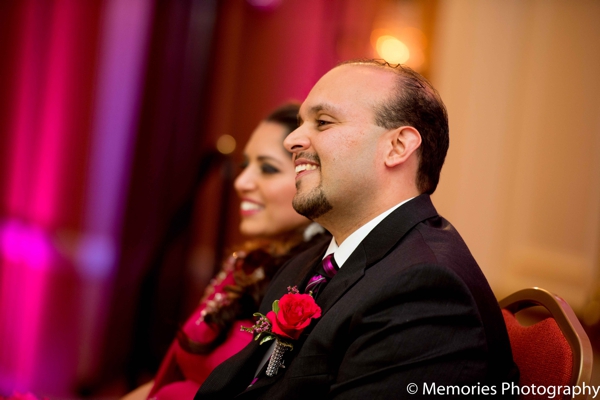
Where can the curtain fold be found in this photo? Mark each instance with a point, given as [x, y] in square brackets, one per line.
[67, 129]
[109, 111]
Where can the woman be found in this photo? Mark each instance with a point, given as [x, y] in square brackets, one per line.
[212, 334]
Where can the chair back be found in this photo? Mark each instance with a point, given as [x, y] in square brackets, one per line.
[555, 351]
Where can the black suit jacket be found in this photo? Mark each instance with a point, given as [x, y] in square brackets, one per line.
[410, 306]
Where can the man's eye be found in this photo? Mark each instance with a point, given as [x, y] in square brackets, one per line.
[268, 169]
[321, 122]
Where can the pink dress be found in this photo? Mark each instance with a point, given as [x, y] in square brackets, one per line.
[181, 373]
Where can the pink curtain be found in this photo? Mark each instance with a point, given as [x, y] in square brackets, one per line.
[106, 107]
[71, 83]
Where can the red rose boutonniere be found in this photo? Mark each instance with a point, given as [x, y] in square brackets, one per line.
[289, 317]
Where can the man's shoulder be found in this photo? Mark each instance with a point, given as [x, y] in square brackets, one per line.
[435, 241]
[433, 249]
[443, 242]
[420, 235]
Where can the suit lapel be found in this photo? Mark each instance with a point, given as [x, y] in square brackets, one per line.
[372, 249]
[295, 273]
[232, 377]
[378, 243]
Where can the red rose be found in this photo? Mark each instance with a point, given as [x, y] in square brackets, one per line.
[295, 313]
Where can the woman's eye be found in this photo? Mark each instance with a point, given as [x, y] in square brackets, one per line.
[244, 164]
[268, 169]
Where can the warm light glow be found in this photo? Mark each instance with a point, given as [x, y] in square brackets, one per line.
[377, 33]
[417, 59]
[226, 144]
[413, 37]
[392, 50]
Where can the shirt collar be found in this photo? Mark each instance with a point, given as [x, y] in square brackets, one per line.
[342, 252]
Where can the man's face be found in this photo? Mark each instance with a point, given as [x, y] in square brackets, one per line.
[336, 147]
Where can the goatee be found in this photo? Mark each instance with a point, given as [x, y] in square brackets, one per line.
[313, 204]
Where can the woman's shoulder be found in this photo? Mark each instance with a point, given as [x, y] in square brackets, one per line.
[224, 277]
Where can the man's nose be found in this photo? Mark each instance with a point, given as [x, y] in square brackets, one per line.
[297, 140]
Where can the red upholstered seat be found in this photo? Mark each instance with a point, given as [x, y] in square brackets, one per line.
[542, 353]
[554, 351]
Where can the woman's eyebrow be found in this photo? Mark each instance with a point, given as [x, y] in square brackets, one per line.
[268, 158]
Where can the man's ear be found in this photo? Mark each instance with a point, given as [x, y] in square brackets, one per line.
[404, 142]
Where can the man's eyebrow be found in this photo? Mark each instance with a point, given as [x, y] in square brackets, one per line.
[317, 109]
[322, 107]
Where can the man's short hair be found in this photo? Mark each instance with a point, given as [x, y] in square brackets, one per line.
[416, 103]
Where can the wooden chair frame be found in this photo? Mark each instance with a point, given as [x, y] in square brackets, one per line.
[568, 323]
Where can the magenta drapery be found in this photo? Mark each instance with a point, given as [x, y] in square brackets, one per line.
[73, 78]
[85, 84]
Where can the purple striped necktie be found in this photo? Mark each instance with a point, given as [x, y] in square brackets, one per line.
[324, 274]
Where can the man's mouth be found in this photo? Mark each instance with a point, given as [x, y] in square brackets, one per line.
[306, 162]
[305, 167]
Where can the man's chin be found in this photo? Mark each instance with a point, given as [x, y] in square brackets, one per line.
[312, 205]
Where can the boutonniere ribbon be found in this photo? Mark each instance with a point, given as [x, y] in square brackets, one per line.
[289, 317]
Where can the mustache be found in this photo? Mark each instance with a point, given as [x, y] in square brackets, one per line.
[314, 157]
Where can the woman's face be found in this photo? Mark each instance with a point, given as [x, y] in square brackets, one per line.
[266, 186]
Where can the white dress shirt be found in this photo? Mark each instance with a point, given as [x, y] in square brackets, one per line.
[343, 251]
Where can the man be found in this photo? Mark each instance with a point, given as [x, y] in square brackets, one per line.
[409, 314]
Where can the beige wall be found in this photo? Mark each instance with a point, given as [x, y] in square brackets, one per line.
[521, 80]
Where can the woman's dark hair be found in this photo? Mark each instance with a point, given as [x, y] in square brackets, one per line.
[286, 115]
[252, 272]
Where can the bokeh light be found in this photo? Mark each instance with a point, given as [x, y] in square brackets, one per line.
[392, 50]
[226, 144]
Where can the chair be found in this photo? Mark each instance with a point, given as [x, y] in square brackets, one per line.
[552, 352]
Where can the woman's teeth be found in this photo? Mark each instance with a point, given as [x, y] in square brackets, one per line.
[249, 206]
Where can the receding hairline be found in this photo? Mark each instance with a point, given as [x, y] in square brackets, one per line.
[403, 72]
[374, 106]
[391, 91]
[366, 63]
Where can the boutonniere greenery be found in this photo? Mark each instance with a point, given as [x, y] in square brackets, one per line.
[289, 317]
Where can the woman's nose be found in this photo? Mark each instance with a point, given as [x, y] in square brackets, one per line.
[245, 180]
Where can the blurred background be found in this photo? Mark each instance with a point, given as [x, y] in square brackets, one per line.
[122, 123]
